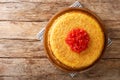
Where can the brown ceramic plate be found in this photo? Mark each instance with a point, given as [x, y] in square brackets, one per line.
[48, 50]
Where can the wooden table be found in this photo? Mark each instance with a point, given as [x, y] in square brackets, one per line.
[22, 56]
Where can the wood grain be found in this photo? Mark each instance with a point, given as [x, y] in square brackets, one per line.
[29, 11]
[71, 1]
[21, 48]
[37, 11]
[20, 30]
[43, 69]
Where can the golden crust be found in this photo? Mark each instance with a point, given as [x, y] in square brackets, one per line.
[55, 58]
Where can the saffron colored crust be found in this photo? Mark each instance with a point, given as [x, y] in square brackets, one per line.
[57, 30]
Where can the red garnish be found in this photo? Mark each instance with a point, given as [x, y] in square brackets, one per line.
[78, 40]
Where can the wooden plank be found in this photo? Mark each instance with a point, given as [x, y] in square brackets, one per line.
[21, 30]
[22, 67]
[113, 28]
[38, 0]
[92, 1]
[28, 30]
[29, 11]
[34, 69]
[21, 48]
[42, 11]
[35, 49]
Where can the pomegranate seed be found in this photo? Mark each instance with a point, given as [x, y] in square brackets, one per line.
[78, 40]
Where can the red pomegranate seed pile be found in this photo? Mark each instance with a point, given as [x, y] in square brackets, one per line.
[78, 40]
